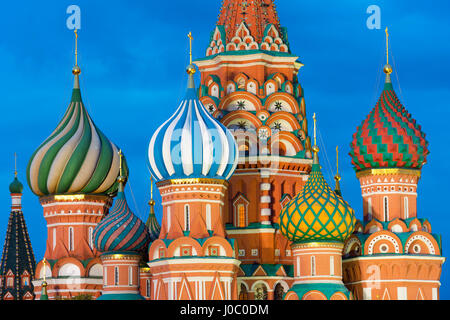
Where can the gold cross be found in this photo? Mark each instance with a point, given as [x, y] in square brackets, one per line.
[76, 47]
[190, 46]
[387, 45]
[15, 164]
[337, 160]
[315, 130]
[120, 161]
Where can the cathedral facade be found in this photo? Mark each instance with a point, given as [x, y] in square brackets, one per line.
[247, 213]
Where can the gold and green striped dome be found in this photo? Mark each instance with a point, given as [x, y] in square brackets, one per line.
[317, 213]
[77, 158]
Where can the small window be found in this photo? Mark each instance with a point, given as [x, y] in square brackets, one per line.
[168, 219]
[70, 239]
[116, 276]
[187, 219]
[214, 251]
[241, 216]
[147, 288]
[130, 276]
[186, 251]
[208, 217]
[369, 208]
[386, 209]
[406, 207]
[162, 253]
[25, 281]
[313, 266]
[331, 266]
[90, 237]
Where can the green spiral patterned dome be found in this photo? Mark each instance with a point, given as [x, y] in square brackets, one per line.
[77, 158]
[317, 213]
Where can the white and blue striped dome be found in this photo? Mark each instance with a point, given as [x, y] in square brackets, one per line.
[192, 144]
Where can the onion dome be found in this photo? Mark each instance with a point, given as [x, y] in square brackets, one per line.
[77, 158]
[317, 213]
[389, 137]
[192, 144]
[16, 186]
[121, 230]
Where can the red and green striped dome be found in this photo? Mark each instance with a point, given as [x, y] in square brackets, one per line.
[389, 137]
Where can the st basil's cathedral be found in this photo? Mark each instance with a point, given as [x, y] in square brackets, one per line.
[247, 213]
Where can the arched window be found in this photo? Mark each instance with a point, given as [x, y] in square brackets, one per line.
[313, 266]
[187, 219]
[261, 292]
[243, 295]
[386, 208]
[70, 239]
[208, 217]
[406, 207]
[278, 292]
[116, 276]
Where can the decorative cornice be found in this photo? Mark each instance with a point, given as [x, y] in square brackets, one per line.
[192, 182]
[388, 171]
[317, 245]
[75, 198]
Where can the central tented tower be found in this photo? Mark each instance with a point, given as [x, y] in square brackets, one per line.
[249, 81]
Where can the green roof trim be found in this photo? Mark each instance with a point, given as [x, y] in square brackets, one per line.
[328, 289]
[248, 52]
[120, 297]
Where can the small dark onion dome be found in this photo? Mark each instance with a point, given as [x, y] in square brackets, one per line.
[152, 224]
[389, 137]
[121, 230]
[16, 186]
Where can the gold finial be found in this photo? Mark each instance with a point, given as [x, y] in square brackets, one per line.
[76, 69]
[387, 67]
[338, 177]
[315, 147]
[191, 67]
[15, 164]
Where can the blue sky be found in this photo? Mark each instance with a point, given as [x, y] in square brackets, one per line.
[133, 56]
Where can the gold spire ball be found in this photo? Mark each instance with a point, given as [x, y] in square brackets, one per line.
[191, 68]
[76, 69]
[387, 68]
